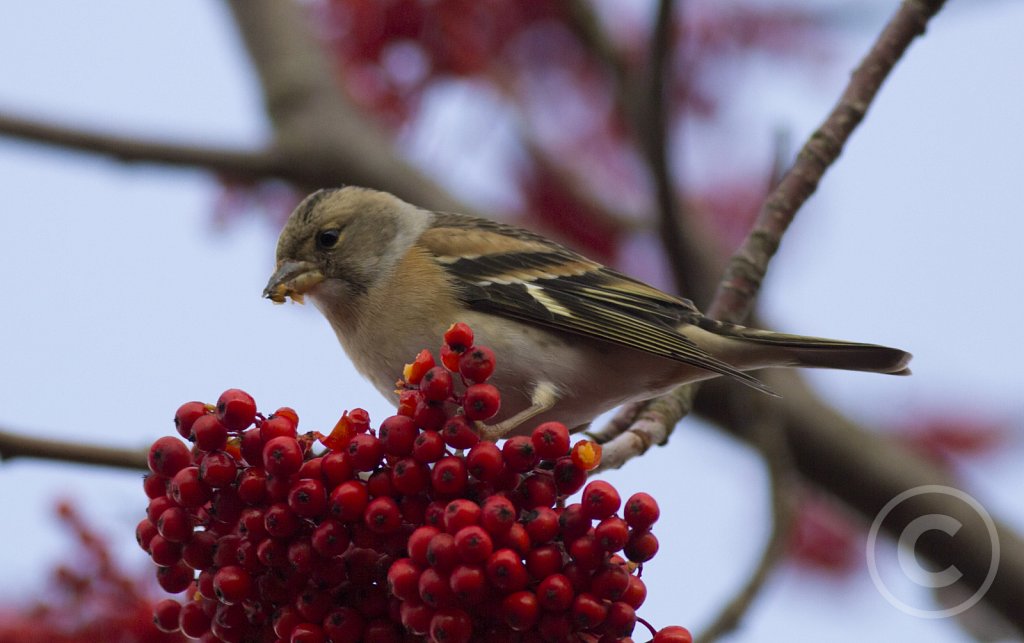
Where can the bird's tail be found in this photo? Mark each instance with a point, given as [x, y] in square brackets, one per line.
[816, 352]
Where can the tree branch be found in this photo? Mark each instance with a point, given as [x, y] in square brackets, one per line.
[13, 445]
[767, 436]
[254, 164]
[318, 131]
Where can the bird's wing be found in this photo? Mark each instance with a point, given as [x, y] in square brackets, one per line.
[508, 271]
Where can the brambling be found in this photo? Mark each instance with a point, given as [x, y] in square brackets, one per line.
[573, 338]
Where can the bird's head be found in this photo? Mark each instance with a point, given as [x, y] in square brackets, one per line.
[338, 243]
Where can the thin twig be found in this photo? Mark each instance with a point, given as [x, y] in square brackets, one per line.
[766, 434]
[14, 445]
[734, 298]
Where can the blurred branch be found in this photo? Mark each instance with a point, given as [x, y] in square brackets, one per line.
[734, 298]
[13, 446]
[762, 427]
[866, 470]
[254, 164]
[317, 129]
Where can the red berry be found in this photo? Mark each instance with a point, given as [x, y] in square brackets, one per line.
[621, 619]
[611, 582]
[218, 469]
[403, 579]
[307, 633]
[209, 433]
[335, 468]
[451, 626]
[448, 477]
[541, 524]
[477, 364]
[434, 589]
[187, 490]
[307, 498]
[458, 337]
[416, 617]
[155, 486]
[280, 521]
[600, 500]
[252, 486]
[485, 461]
[186, 414]
[251, 447]
[330, 538]
[555, 593]
[673, 634]
[365, 452]
[473, 544]
[450, 358]
[428, 447]
[236, 409]
[506, 572]
[419, 542]
[144, 533]
[397, 434]
[551, 440]
[282, 456]
[168, 456]
[538, 490]
[573, 522]
[165, 614]
[198, 551]
[382, 515]
[277, 426]
[569, 478]
[429, 416]
[544, 561]
[588, 611]
[344, 625]
[586, 455]
[481, 402]
[157, 506]
[641, 511]
[174, 525]
[469, 584]
[612, 534]
[520, 610]
[586, 552]
[164, 552]
[175, 578]
[642, 546]
[520, 454]
[349, 500]
[498, 515]
[458, 433]
[193, 620]
[460, 513]
[515, 538]
[436, 384]
[441, 552]
[636, 593]
[409, 477]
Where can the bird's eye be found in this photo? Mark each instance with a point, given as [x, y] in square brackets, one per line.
[327, 238]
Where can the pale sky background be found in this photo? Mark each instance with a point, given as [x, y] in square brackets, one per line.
[124, 302]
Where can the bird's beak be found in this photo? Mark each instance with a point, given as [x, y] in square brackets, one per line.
[292, 279]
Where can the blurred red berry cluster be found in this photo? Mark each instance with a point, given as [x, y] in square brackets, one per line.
[416, 530]
[91, 598]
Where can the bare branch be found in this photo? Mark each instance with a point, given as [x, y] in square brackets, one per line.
[255, 164]
[318, 131]
[13, 445]
[763, 428]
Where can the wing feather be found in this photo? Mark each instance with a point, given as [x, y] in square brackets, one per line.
[526, 277]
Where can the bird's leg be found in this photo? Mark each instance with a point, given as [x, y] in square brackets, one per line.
[545, 394]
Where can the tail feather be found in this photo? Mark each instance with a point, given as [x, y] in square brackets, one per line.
[819, 352]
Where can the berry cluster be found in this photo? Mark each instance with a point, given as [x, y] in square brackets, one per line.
[418, 530]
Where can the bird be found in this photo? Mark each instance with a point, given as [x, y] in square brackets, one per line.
[573, 338]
